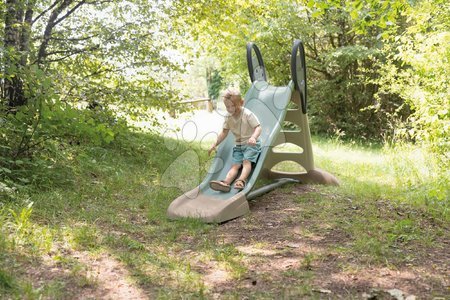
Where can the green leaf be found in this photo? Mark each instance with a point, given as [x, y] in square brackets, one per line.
[5, 170]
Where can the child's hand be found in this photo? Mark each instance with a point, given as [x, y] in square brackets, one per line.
[213, 148]
[251, 141]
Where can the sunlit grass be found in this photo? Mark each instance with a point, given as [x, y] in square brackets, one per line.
[383, 195]
[408, 175]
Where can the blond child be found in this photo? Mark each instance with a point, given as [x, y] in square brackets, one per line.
[246, 129]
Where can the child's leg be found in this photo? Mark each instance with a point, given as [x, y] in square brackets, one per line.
[224, 185]
[232, 173]
[250, 154]
[246, 169]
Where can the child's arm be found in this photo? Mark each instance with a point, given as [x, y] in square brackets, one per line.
[255, 135]
[222, 135]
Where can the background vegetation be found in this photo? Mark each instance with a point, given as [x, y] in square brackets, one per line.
[378, 70]
[74, 73]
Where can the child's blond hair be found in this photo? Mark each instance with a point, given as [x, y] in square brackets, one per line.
[233, 95]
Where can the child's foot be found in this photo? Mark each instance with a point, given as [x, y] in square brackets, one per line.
[240, 184]
[221, 186]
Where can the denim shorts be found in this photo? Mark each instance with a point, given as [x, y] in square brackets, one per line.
[246, 152]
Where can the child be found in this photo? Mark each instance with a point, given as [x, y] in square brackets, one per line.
[246, 129]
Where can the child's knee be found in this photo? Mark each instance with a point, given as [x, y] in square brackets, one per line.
[247, 163]
[236, 167]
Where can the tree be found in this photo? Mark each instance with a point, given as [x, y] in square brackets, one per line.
[59, 59]
[417, 69]
[95, 38]
[340, 51]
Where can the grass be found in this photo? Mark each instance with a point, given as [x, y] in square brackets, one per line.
[401, 175]
[394, 196]
[114, 200]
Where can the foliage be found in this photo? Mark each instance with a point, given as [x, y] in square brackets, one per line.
[341, 40]
[215, 83]
[417, 70]
[94, 51]
[71, 72]
[370, 63]
[34, 137]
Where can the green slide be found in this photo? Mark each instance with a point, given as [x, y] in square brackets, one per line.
[270, 104]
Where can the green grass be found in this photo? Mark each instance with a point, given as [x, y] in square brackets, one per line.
[401, 175]
[388, 198]
[114, 200]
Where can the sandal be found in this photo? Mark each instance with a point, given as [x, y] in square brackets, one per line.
[240, 184]
[220, 186]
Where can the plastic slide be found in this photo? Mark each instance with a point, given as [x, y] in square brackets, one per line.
[269, 103]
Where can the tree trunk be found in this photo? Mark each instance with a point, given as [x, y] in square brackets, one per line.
[26, 33]
[18, 21]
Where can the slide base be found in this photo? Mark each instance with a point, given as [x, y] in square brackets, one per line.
[207, 208]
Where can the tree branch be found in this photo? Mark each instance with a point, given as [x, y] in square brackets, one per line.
[70, 53]
[75, 39]
[73, 51]
[69, 12]
[320, 71]
[45, 11]
[49, 28]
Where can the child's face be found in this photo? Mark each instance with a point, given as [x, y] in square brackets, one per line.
[233, 105]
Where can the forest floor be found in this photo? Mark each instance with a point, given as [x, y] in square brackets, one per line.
[299, 248]
[290, 246]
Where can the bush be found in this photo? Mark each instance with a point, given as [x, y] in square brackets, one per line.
[36, 138]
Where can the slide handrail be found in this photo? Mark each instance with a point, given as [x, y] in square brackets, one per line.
[298, 72]
[255, 63]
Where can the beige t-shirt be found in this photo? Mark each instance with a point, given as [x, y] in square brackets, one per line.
[241, 126]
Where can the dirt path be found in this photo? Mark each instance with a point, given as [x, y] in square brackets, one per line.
[112, 279]
[83, 277]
